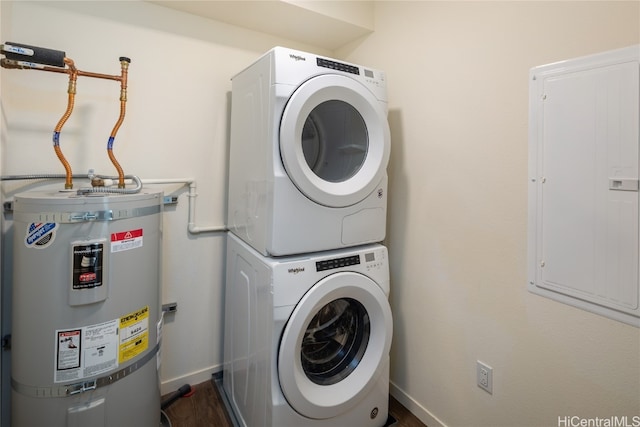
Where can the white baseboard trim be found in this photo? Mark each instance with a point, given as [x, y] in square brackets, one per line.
[416, 409]
[193, 378]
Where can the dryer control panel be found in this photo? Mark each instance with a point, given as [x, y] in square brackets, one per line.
[334, 65]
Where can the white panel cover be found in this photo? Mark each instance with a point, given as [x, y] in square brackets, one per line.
[584, 183]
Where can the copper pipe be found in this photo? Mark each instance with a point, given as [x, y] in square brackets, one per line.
[118, 168]
[72, 66]
[124, 65]
[99, 76]
[68, 184]
[73, 76]
[9, 63]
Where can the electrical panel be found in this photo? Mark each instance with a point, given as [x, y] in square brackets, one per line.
[583, 183]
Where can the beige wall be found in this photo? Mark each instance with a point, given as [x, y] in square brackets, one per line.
[458, 86]
[457, 76]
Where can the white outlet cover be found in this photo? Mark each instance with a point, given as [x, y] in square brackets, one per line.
[484, 376]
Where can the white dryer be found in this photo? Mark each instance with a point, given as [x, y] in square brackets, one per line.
[307, 338]
[309, 150]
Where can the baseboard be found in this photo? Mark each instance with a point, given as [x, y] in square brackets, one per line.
[193, 378]
[416, 409]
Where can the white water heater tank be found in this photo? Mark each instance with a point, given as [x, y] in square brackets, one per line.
[86, 309]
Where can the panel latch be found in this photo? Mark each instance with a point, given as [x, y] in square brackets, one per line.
[623, 184]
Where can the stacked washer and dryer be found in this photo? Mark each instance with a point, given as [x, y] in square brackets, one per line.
[308, 325]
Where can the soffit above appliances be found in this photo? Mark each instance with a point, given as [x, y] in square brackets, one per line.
[327, 24]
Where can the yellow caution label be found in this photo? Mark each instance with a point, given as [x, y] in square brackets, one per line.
[134, 334]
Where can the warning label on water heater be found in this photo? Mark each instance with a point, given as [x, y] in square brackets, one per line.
[126, 240]
[86, 352]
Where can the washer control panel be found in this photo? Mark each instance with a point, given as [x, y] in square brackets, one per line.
[370, 260]
[328, 264]
[374, 259]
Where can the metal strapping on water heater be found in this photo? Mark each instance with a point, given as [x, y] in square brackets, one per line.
[81, 387]
[73, 217]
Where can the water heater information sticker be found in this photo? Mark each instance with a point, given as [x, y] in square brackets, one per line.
[126, 240]
[134, 334]
[87, 265]
[86, 352]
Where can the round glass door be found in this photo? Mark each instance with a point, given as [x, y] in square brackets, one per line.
[335, 345]
[334, 140]
[335, 340]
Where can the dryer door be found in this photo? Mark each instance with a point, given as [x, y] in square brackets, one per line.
[333, 346]
[334, 140]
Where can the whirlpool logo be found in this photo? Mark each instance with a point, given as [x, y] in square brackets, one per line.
[296, 270]
[297, 57]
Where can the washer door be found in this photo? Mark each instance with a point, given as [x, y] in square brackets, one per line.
[334, 344]
[334, 140]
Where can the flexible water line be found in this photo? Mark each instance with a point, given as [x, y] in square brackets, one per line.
[124, 71]
[73, 76]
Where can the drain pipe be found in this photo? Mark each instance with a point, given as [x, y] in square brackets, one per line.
[191, 227]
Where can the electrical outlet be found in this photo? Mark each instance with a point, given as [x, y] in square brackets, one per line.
[484, 374]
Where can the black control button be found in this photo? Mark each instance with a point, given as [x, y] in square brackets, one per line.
[338, 66]
[329, 264]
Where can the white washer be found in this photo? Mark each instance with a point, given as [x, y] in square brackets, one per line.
[309, 150]
[307, 338]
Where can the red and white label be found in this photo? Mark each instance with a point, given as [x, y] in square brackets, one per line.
[126, 240]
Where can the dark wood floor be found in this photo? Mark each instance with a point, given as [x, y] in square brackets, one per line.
[206, 408]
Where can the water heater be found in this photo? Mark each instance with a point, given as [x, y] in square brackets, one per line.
[86, 309]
